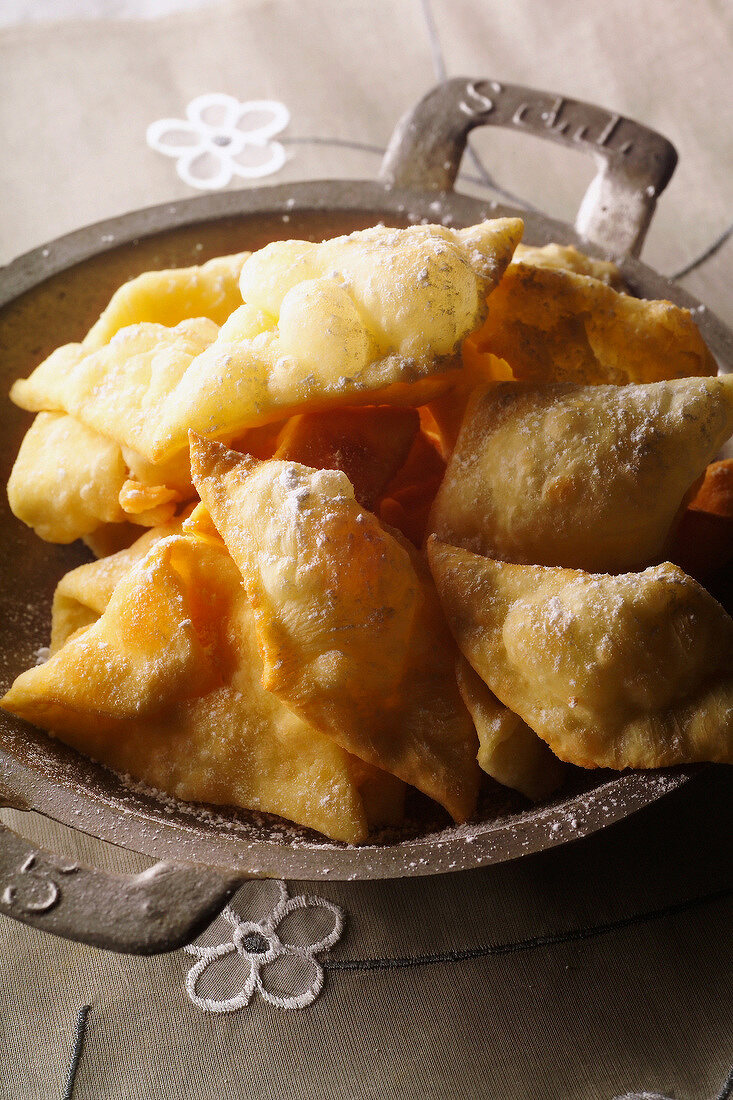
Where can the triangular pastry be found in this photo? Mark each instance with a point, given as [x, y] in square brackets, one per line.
[349, 626]
[554, 325]
[632, 671]
[589, 477]
[165, 686]
[509, 751]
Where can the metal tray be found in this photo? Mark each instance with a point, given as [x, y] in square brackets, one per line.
[51, 296]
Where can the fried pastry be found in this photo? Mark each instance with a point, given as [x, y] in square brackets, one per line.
[82, 594]
[509, 751]
[66, 479]
[165, 686]
[82, 466]
[589, 477]
[348, 622]
[170, 296]
[632, 671]
[118, 390]
[280, 644]
[565, 257]
[373, 318]
[481, 365]
[368, 444]
[553, 325]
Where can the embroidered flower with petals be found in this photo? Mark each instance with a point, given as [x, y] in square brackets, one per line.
[272, 956]
[220, 138]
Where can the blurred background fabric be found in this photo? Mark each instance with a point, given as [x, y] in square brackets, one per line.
[80, 83]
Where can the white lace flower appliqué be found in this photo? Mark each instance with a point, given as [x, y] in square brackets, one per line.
[274, 956]
[220, 138]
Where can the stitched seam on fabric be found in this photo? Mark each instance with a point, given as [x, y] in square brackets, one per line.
[434, 40]
[377, 150]
[81, 1030]
[485, 177]
[549, 940]
[341, 143]
[705, 255]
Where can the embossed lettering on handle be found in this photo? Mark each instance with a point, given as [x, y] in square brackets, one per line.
[33, 889]
[634, 163]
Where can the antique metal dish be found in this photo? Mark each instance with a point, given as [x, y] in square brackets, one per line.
[51, 296]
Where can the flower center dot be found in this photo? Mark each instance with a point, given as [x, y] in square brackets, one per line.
[221, 139]
[255, 944]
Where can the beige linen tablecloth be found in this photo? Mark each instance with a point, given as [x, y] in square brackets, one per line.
[599, 969]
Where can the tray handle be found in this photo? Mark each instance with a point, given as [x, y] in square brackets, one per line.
[635, 163]
[160, 909]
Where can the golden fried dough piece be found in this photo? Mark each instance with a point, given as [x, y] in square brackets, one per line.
[119, 390]
[633, 671]
[69, 480]
[368, 444]
[148, 505]
[146, 650]
[558, 326]
[565, 257]
[201, 526]
[165, 298]
[171, 296]
[66, 479]
[174, 474]
[110, 538]
[373, 318]
[409, 496]
[589, 477]
[83, 593]
[165, 686]
[430, 429]
[716, 492]
[351, 633]
[703, 542]
[168, 297]
[399, 279]
[479, 369]
[509, 751]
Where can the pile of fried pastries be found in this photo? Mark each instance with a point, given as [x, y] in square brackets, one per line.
[399, 508]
